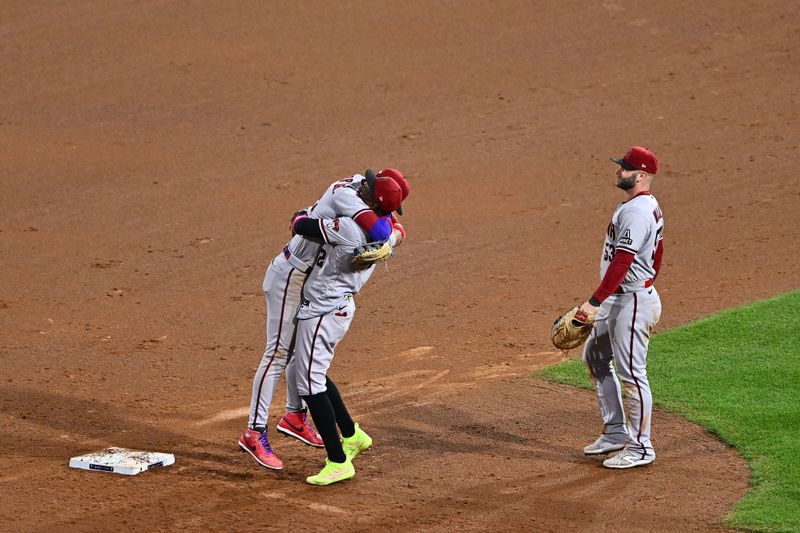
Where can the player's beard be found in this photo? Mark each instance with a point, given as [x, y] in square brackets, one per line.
[627, 184]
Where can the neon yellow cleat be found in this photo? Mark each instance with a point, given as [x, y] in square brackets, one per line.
[356, 444]
[332, 473]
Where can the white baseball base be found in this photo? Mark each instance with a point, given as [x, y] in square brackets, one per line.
[122, 461]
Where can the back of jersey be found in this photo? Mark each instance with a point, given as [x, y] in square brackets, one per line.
[334, 279]
[340, 199]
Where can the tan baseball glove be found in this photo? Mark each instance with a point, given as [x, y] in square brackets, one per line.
[370, 254]
[572, 329]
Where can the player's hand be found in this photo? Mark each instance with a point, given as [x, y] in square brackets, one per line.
[399, 233]
[589, 309]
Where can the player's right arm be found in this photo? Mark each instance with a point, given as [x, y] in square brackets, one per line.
[628, 240]
[307, 227]
[616, 272]
[328, 231]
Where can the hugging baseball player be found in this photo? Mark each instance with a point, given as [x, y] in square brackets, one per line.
[624, 309]
[325, 314]
[283, 285]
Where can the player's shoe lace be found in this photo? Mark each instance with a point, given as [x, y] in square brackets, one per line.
[262, 438]
[257, 445]
[307, 425]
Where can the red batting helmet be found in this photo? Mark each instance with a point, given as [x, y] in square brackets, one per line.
[386, 190]
[401, 180]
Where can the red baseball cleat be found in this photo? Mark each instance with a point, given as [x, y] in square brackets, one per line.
[257, 445]
[297, 425]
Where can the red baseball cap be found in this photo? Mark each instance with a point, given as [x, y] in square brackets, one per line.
[638, 158]
[401, 180]
[386, 190]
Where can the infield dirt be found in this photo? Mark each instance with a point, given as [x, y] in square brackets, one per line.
[153, 153]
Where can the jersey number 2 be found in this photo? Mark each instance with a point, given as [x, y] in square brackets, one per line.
[321, 257]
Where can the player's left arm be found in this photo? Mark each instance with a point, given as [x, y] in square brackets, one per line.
[378, 228]
[658, 255]
[657, 258]
[347, 203]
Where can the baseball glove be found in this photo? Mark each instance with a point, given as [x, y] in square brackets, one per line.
[369, 254]
[572, 329]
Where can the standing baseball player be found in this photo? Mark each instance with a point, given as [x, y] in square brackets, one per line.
[324, 316]
[627, 307]
[283, 284]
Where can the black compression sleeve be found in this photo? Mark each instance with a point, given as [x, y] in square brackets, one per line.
[343, 419]
[308, 227]
[325, 419]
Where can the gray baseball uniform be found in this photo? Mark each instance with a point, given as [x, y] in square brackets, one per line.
[283, 285]
[624, 323]
[328, 307]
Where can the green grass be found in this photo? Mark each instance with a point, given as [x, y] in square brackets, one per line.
[736, 373]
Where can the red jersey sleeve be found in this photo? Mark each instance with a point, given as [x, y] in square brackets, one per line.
[614, 275]
[378, 228]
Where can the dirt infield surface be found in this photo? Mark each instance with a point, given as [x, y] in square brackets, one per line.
[152, 153]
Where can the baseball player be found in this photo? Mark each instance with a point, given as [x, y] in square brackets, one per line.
[282, 287]
[627, 307]
[324, 316]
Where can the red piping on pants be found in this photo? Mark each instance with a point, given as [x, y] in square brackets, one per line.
[311, 355]
[277, 344]
[633, 375]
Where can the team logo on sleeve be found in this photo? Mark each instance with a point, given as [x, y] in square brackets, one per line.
[626, 238]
